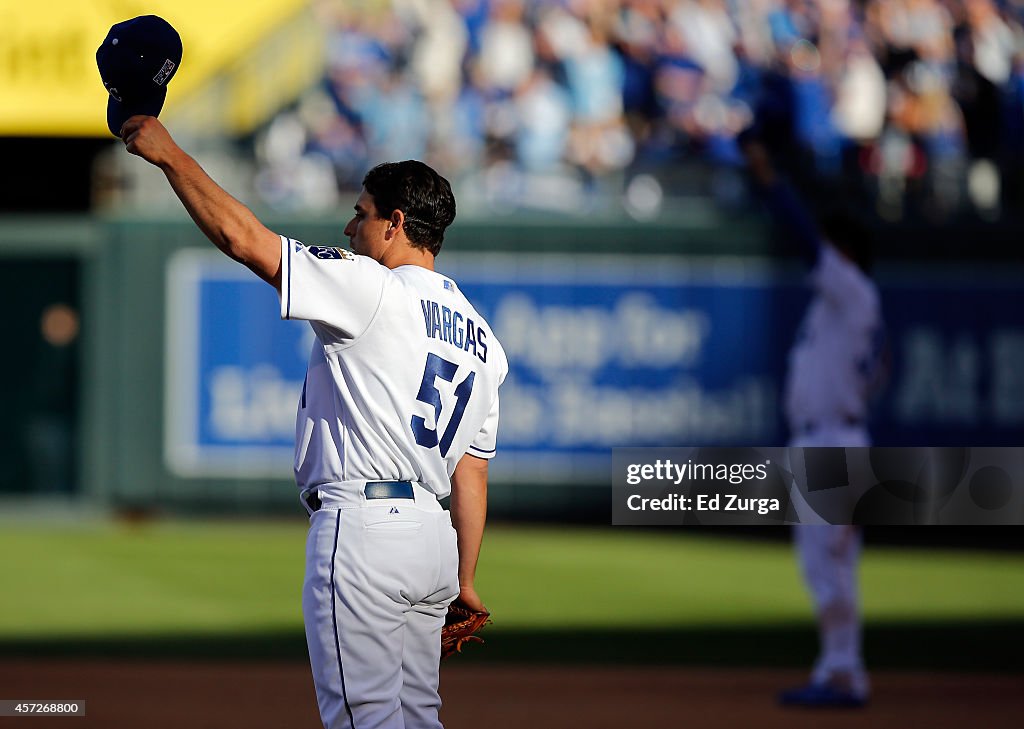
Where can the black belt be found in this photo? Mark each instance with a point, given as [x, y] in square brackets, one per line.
[372, 490]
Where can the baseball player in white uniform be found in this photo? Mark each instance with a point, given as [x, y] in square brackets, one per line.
[399, 408]
[835, 367]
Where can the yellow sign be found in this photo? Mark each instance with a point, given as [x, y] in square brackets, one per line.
[49, 85]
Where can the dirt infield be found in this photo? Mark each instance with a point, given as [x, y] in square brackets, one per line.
[142, 695]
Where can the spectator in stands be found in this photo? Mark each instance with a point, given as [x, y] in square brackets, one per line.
[886, 88]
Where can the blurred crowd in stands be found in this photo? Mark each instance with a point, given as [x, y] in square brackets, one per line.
[915, 106]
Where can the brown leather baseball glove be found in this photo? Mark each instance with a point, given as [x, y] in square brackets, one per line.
[460, 624]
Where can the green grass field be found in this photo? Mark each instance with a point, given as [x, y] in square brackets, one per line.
[222, 578]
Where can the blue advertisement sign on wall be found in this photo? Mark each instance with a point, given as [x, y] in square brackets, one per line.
[234, 371]
[607, 351]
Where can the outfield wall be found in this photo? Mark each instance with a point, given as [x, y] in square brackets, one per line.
[617, 334]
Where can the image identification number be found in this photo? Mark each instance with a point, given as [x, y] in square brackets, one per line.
[28, 707]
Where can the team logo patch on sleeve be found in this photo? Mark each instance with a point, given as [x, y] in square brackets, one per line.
[331, 254]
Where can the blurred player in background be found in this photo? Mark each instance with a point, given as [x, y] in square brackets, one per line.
[835, 368]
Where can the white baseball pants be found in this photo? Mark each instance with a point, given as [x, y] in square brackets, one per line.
[379, 577]
[829, 557]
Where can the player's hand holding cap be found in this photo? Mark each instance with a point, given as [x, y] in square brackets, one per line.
[137, 60]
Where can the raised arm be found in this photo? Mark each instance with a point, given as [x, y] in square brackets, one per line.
[782, 201]
[228, 224]
[469, 513]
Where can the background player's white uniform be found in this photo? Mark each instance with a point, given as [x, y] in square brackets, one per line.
[833, 368]
[402, 381]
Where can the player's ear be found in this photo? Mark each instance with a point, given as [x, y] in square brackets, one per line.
[396, 222]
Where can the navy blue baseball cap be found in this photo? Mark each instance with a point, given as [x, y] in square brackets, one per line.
[137, 60]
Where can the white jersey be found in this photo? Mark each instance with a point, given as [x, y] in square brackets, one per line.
[835, 360]
[403, 375]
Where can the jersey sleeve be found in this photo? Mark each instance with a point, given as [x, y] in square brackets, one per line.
[485, 443]
[333, 286]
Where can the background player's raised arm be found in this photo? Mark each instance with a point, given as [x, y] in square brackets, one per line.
[229, 224]
[782, 202]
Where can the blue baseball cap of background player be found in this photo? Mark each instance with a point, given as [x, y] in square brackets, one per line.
[137, 60]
